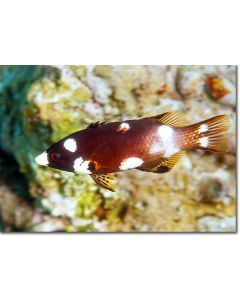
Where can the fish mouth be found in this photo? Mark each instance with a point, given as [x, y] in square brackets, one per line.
[42, 159]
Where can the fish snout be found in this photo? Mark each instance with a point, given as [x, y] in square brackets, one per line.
[42, 159]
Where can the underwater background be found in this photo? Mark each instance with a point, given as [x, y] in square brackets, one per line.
[41, 104]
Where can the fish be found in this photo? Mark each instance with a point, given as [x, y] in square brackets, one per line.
[151, 144]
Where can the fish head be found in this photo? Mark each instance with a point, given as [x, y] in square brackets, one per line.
[60, 155]
[65, 155]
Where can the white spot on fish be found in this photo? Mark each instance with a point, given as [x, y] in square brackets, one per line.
[81, 166]
[130, 163]
[123, 127]
[203, 142]
[203, 128]
[155, 148]
[42, 159]
[165, 133]
[70, 145]
[165, 142]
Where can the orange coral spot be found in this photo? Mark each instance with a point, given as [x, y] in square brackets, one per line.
[101, 212]
[216, 87]
[162, 90]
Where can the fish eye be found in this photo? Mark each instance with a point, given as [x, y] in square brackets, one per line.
[55, 156]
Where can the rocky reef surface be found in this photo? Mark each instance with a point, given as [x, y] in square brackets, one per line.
[41, 104]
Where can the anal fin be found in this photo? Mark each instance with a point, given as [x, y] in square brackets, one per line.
[163, 165]
[104, 180]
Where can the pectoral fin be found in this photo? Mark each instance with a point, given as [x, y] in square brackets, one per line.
[163, 165]
[104, 180]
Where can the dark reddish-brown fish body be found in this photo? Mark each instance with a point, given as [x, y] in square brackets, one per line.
[152, 144]
[110, 144]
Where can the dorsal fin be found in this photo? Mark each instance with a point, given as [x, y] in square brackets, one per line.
[97, 124]
[104, 180]
[175, 118]
[164, 165]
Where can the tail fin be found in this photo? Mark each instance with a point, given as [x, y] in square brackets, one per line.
[211, 134]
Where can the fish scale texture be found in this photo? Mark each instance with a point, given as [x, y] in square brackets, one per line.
[40, 105]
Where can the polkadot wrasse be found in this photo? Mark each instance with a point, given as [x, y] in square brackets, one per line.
[152, 144]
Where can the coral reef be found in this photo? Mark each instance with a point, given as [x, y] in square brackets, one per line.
[41, 104]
